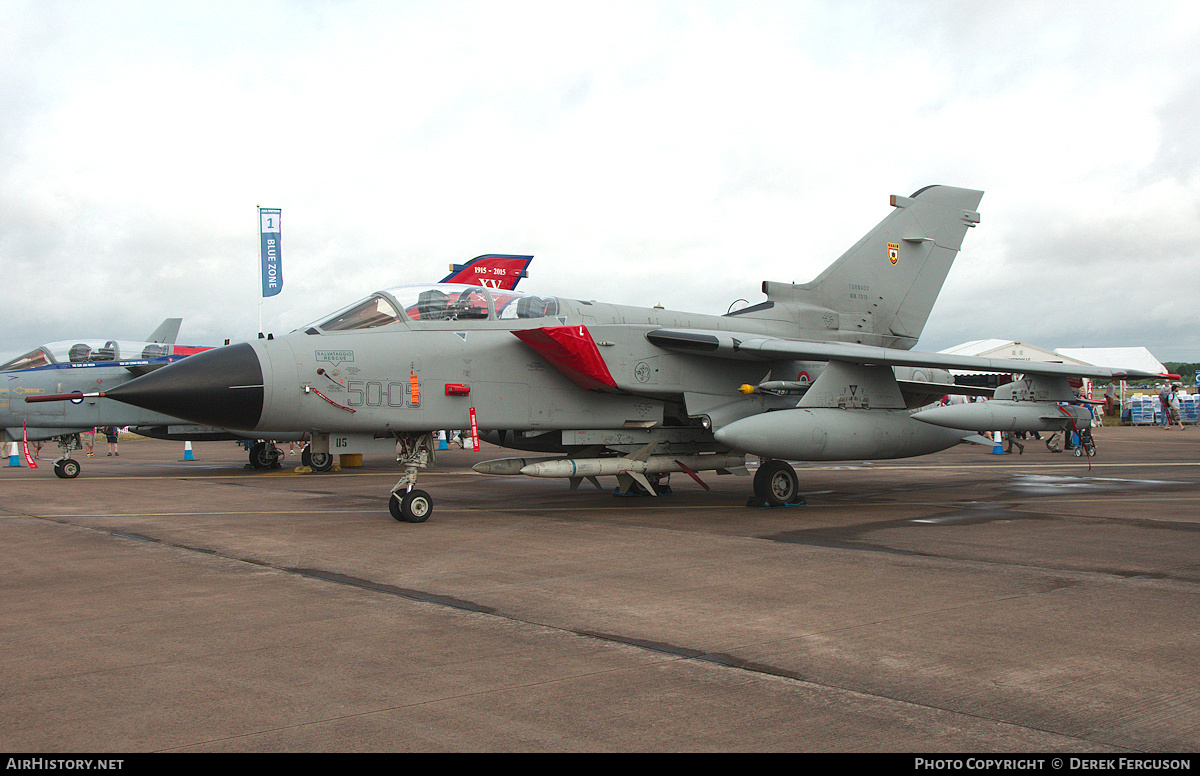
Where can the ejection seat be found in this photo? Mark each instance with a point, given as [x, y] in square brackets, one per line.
[536, 307]
[79, 353]
[109, 352]
[432, 305]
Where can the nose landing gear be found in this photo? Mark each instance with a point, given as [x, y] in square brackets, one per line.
[65, 467]
[413, 452]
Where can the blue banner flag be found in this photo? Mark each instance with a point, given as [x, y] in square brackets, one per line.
[272, 258]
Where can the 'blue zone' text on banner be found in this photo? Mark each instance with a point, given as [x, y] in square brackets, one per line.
[272, 258]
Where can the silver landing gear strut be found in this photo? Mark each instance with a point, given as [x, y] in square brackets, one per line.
[413, 452]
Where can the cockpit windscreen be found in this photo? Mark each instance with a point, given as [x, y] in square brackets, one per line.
[439, 302]
[371, 312]
[87, 352]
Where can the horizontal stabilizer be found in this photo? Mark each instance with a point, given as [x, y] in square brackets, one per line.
[137, 370]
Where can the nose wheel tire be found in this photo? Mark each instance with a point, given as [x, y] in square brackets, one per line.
[415, 506]
[67, 469]
[318, 462]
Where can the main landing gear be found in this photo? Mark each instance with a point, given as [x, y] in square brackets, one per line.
[413, 452]
[265, 455]
[776, 485]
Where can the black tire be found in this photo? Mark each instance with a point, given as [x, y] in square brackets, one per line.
[58, 472]
[264, 455]
[70, 469]
[414, 506]
[319, 462]
[776, 483]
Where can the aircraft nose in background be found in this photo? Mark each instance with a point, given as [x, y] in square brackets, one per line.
[221, 387]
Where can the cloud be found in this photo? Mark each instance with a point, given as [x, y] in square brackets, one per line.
[674, 153]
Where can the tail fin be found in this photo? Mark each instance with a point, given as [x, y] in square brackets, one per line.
[166, 332]
[494, 270]
[880, 292]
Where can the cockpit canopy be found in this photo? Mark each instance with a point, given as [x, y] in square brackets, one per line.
[438, 302]
[87, 352]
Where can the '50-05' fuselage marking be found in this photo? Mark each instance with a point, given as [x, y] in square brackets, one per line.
[377, 393]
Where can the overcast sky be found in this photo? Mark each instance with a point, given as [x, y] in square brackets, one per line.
[676, 153]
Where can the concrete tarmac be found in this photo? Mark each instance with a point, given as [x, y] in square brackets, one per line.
[959, 602]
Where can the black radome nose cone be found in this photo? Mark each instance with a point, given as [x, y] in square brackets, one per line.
[222, 387]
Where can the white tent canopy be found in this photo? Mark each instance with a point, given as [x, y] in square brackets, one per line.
[1115, 358]
[1008, 349]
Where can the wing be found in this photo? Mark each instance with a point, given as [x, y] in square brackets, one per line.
[732, 345]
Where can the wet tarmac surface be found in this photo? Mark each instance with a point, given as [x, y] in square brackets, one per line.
[963, 601]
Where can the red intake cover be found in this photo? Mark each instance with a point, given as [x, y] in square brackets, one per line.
[572, 351]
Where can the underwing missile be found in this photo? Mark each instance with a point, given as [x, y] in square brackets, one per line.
[655, 464]
[775, 388]
[510, 466]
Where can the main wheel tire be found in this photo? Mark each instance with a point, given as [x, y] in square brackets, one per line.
[776, 483]
[414, 506]
[264, 455]
[70, 469]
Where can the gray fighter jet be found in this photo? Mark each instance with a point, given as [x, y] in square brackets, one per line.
[82, 366]
[76, 366]
[819, 371]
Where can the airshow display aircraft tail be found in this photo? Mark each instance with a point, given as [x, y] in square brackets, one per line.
[494, 270]
[82, 370]
[820, 371]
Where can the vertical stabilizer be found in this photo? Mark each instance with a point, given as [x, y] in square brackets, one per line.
[166, 332]
[880, 292]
